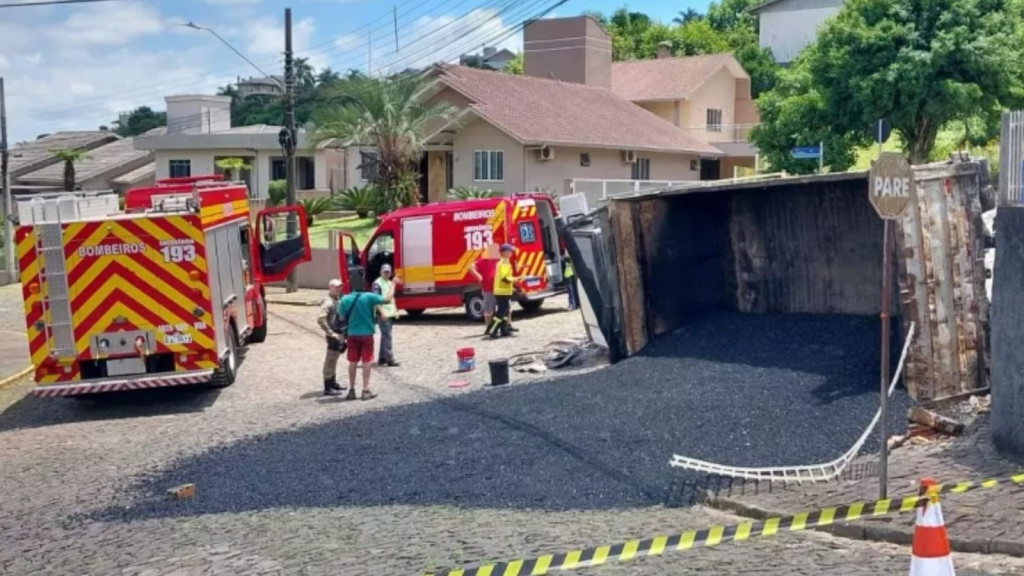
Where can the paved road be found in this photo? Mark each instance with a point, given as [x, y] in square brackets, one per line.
[13, 345]
[80, 479]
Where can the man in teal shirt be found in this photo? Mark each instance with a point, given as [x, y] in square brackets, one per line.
[359, 309]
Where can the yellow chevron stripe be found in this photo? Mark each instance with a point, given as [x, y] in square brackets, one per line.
[157, 258]
[182, 224]
[141, 299]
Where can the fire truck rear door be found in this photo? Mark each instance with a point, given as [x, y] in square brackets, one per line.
[417, 246]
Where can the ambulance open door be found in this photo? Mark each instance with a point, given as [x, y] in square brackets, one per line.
[350, 265]
[417, 248]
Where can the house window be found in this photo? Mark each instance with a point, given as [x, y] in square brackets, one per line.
[368, 166]
[641, 169]
[278, 169]
[584, 159]
[179, 168]
[714, 120]
[488, 165]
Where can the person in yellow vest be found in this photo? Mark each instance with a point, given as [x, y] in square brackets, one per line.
[504, 287]
[386, 317]
[570, 283]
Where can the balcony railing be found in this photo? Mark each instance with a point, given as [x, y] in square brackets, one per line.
[722, 132]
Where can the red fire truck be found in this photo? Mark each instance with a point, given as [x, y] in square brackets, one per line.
[161, 293]
[432, 247]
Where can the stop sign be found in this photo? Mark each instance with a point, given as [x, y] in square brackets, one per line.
[891, 185]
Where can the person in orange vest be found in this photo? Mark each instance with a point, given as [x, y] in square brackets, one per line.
[504, 287]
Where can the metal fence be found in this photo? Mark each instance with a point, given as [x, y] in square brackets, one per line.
[1011, 159]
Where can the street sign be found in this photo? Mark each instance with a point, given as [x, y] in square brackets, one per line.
[882, 131]
[891, 185]
[806, 152]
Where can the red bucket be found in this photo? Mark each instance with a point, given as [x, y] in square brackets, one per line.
[467, 359]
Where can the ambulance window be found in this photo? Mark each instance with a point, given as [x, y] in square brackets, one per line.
[527, 233]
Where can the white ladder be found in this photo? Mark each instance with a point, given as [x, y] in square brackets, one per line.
[53, 280]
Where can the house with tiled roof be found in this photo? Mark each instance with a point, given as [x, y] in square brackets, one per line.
[576, 115]
[35, 168]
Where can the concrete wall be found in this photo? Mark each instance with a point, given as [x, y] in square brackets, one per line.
[1008, 333]
[719, 92]
[575, 49]
[787, 32]
[203, 163]
[479, 135]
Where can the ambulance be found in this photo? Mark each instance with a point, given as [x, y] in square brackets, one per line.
[161, 293]
[432, 247]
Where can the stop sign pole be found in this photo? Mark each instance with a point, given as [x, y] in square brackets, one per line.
[890, 191]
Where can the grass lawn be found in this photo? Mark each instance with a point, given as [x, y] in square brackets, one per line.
[360, 228]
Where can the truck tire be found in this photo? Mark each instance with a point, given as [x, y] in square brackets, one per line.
[531, 305]
[259, 333]
[475, 306]
[415, 312]
[225, 374]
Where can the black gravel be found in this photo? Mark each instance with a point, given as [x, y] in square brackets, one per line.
[752, 390]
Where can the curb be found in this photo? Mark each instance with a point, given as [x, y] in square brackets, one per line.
[15, 377]
[291, 302]
[875, 533]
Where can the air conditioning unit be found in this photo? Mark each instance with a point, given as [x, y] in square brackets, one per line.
[545, 153]
[629, 156]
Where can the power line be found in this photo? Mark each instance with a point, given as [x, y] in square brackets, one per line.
[52, 2]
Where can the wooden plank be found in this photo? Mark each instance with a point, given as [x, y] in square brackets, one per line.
[915, 307]
[631, 287]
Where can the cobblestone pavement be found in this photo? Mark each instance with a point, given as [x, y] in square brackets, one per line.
[65, 460]
[13, 345]
[981, 520]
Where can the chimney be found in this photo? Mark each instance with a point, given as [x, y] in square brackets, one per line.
[198, 114]
[664, 49]
[569, 49]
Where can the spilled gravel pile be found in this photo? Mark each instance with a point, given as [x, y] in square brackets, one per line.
[753, 390]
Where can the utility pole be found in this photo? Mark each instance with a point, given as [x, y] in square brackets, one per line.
[292, 139]
[5, 180]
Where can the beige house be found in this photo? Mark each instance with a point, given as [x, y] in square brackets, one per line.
[576, 115]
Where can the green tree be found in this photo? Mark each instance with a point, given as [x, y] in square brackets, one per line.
[795, 114]
[515, 65]
[728, 14]
[70, 157]
[390, 115]
[920, 64]
[687, 16]
[142, 119]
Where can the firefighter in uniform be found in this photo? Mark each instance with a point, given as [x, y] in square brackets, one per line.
[504, 287]
[335, 341]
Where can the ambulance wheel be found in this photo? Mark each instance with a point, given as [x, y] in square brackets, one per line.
[475, 306]
[225, 374]
[415, 312]
[259, 333]
[531, 305]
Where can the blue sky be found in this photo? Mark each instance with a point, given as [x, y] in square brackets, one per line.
[71, 67]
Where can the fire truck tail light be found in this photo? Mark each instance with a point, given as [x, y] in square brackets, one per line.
[193, 276]
[33, 288]
[104, 344]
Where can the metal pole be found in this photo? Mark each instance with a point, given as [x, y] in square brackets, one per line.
[5, 180]
[289, 120]
[821, 157]
[883, 468]
[395, 13]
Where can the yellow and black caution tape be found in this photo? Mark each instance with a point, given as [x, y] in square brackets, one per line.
[716, 535]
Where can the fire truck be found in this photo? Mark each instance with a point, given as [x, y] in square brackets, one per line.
[160, 293]
[432, 247]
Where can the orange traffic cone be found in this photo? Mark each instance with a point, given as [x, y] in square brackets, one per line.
[931, 554]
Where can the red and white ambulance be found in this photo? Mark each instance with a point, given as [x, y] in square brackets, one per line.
[432, 247]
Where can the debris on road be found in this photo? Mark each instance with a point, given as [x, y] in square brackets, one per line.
[183, 492]
[935, 421]
[564, 353]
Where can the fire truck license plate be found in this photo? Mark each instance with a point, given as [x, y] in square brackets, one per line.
[177, 338]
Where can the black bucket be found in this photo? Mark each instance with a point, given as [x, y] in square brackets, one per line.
[499, 371]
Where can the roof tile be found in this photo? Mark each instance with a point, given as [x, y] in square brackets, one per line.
[666, 78]
[543, 111]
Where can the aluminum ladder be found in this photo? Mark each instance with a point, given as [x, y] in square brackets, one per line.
[53, 278]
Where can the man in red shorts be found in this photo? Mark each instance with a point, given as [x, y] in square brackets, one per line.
[359, 309]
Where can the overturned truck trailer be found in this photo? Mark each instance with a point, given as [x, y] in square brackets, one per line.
[651, 261]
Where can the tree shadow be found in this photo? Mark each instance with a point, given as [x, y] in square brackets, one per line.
[600, 440]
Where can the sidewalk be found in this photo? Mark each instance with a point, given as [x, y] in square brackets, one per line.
[14, 356]
[985, 521]
[302, 297]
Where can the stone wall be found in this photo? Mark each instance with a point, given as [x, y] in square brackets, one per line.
[1008, 333]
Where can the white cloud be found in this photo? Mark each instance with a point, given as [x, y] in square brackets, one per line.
[233, 2]
[113, 24]
[4, 62]
[265, 39]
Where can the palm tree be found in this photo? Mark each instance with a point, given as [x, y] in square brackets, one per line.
[391, 115]
[305, 76]
[69, 156]
[687, 16]
[232, 166]
[326, 77]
